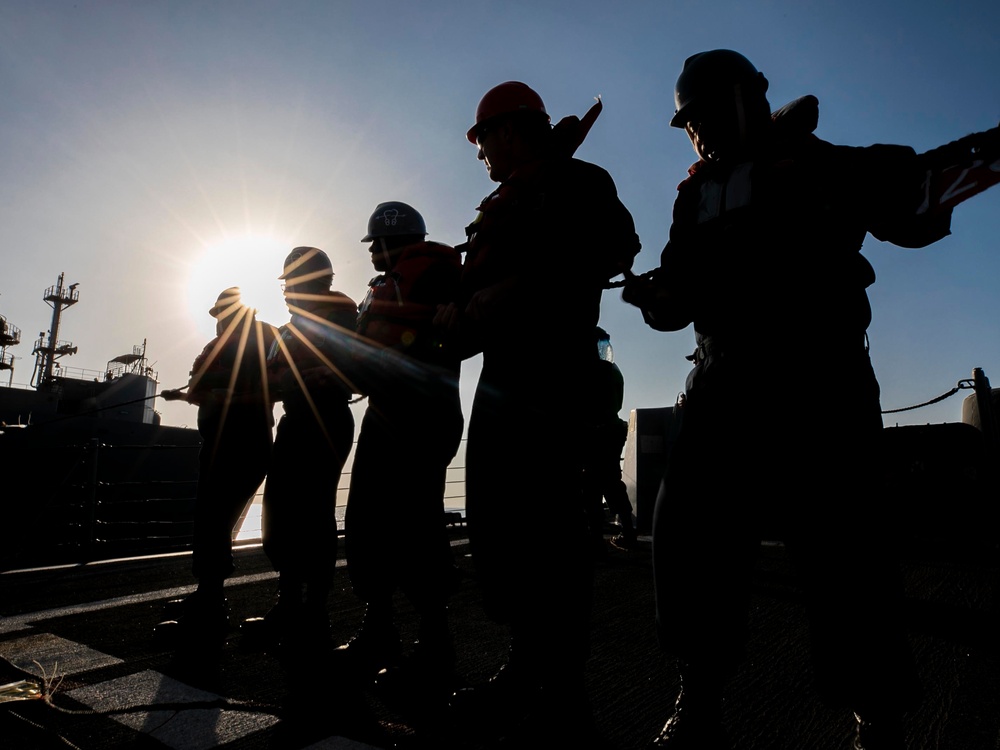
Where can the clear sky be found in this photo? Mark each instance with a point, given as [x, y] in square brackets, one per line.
[158, 152]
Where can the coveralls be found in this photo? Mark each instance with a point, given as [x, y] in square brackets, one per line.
[782, 418]
[235, 421]
[547, 240]
[312, 442]
[410, 432]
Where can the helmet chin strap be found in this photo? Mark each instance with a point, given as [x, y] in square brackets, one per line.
[741, 115]
[741, 126]
[384, 247]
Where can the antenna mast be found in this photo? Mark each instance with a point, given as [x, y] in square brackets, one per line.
[46, 354]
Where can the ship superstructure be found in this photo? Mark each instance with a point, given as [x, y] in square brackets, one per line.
[125, 389]
[95, 472]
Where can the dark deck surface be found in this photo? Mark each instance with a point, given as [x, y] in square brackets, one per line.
[97, 622]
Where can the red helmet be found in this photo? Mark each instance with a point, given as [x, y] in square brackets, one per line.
[503, 99]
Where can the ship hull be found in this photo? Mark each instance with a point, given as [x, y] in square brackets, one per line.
[91, 489]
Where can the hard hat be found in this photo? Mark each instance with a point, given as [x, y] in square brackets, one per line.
[504, 99]
[708, 75]
[229, 301]
[306, 264]
[393, 219]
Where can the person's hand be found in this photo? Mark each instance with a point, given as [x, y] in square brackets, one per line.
[447, 317]
[484, 303]
[479, 305]
[663, 307]
[639, 290]
[172, 394]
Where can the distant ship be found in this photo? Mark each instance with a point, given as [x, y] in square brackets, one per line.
[90, 473]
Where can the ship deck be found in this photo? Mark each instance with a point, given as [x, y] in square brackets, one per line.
[118, 686]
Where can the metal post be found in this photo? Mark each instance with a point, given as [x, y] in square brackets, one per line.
[90, 524]
[987, 416]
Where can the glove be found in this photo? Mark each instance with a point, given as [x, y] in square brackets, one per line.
[639, 290]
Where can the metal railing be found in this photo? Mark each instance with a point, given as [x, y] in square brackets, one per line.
[95, 501]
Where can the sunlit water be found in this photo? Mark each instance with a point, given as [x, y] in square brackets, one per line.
[454, 501]
[454, 495]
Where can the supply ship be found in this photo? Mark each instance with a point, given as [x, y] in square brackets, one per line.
[95, 474]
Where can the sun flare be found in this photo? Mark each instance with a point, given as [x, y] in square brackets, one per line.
[253, 263]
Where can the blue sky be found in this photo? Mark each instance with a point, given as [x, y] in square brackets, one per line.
[158, 152]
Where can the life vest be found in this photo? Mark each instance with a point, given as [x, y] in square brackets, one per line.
[318, 338]
[400, 306]
[223, 371]
[527, 198]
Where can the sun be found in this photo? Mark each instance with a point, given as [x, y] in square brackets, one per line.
[251, 262]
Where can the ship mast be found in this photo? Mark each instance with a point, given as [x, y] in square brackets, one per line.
[46, 354]
[10, 335]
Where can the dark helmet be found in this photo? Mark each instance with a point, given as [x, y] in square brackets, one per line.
[394, 219]
[305, 264]
[708, 76]
[229, 301]
[504, 99]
